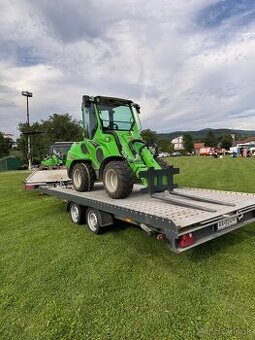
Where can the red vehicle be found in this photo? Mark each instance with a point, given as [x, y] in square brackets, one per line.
[207, 151]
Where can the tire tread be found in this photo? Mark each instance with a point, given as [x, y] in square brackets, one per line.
[125, 177]
[88, 176]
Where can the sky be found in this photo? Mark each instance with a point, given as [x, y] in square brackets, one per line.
[190, 64]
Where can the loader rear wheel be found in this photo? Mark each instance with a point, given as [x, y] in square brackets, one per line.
[83, 177]
[118, 179]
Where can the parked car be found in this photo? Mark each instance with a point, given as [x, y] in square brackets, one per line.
[176, 153]
[163, 154]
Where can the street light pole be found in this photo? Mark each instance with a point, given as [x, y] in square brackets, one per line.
[28, 94]
[27, 113]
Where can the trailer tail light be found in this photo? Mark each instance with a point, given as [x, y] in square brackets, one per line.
[29, 187]
[186, 240]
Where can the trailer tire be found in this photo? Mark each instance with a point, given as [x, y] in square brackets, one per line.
[92, 221]
[83, 176]
[76, 213]
[118, 179]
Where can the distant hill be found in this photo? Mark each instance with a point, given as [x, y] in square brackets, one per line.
[200, 134]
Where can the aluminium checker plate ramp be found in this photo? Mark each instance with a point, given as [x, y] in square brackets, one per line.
[143, 208]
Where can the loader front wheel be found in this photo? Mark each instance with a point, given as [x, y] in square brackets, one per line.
[83, 177]
[118, 179]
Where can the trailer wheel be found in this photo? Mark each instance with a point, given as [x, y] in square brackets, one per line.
[83, 177]
[76, 213]
[118, 179]
[92, 220]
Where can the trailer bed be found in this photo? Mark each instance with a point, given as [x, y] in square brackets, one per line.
[204, 213]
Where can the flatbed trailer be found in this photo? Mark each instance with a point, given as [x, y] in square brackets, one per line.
[184, 218]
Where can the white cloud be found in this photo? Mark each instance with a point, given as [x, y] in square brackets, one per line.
[184, 75]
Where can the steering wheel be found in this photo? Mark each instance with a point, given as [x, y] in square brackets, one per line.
[113, 125]
[154, 148]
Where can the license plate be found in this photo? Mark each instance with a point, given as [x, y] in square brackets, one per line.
[226, 222]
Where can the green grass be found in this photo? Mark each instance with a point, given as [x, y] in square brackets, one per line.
[236, 174]
[59, 281]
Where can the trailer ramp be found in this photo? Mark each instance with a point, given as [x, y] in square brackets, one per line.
[51, 177]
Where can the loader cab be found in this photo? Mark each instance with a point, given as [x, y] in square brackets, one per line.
[111, 114]
[89, 118]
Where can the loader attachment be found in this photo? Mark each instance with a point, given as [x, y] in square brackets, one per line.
[160, 179]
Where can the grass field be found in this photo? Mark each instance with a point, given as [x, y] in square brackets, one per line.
[59, 281]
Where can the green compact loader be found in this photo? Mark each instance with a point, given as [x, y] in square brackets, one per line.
[113, 151]
[56, 154]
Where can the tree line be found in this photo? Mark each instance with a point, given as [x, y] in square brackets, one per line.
[210, 140]
[5, 145]
[63, 128]
[57, 128]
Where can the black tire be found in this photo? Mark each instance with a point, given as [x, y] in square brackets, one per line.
[77, 213]
[162, 163]
[118, 179]
[92, 220]
[83, 177]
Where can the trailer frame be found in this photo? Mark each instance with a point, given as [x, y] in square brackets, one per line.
[187, 225]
